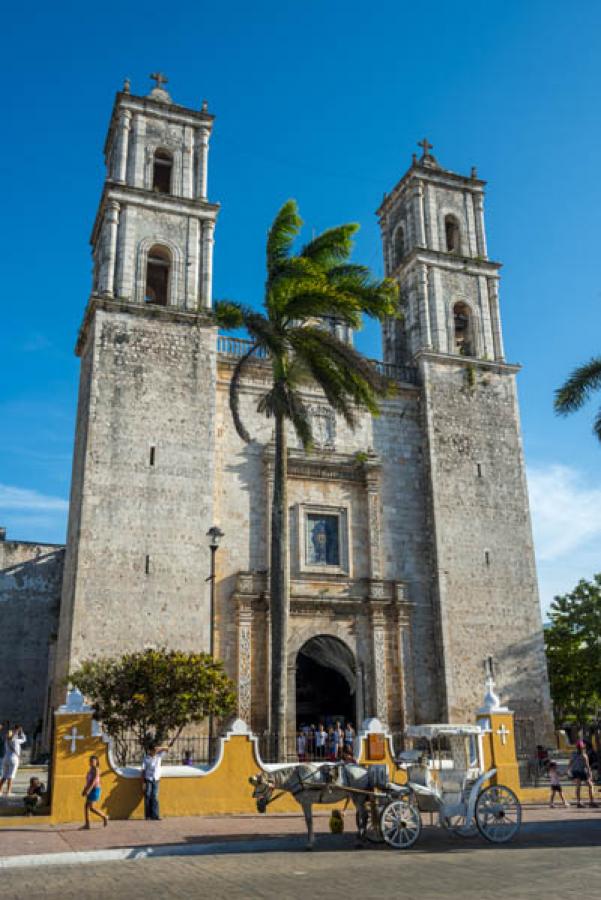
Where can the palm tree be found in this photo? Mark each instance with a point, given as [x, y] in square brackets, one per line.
[300, 291]
[574, 393]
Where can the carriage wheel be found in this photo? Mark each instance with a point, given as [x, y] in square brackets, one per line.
[460, 827]
[400, 824]
[372, 825]
[498, 814]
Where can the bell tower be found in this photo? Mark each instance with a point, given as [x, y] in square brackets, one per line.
[483, 575]
[152, 240]
[142, 480]
[434, 240]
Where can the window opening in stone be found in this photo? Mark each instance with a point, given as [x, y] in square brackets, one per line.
[152, 453]
[157, 276]
[451, 230]
[462, 325]
[487, 557]
[147, 565]
[161, 172]
[399, 245]
[323, 540]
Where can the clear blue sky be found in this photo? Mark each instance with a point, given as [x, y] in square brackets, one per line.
[322, 101]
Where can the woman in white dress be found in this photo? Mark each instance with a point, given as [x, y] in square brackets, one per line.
[12, 754]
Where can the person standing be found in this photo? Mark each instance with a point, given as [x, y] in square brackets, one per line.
[349, 738]
[321, 737]
[580, 771]
[91, 792]
[13, 741]
[151, 775]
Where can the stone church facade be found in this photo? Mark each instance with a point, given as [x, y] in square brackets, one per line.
[411, 551]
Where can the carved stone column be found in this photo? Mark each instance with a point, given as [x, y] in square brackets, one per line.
[206, 277]
[120, 161]
[404, 609]
[245, 616]
[379, 690]
[202, 157]
[109, 240]
[372, 482]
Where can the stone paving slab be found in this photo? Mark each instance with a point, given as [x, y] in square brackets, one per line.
[554, 827]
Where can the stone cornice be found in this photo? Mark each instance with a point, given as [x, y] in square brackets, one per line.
[203, 318]
[438, 176]
[469, 264]
[171, 112]
[125, 194]
[452, 359]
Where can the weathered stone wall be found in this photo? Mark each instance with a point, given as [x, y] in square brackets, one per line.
[30, 587]
[486, 576]
[138, 555]
[329, 604]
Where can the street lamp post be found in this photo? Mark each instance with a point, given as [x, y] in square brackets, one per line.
[214, 534]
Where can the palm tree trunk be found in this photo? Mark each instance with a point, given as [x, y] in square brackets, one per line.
[279, 588]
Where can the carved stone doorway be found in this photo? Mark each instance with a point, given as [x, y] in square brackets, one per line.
[326, 683]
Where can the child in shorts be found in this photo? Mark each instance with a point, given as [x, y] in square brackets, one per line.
[555, 784]
[91, 792]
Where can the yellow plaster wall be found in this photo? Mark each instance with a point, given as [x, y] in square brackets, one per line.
[225, 789]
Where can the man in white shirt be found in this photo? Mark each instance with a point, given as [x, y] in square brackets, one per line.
[151, 775]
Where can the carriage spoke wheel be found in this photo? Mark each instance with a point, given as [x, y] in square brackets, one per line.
[400, 824]
[498, 814]
[372, 824]
[460, 827]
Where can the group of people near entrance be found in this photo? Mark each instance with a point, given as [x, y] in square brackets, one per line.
[316, 742]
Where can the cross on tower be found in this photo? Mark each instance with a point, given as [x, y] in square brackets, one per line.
[426, 146]
[159, 78]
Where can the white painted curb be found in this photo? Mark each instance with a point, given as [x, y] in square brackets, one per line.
[80, 857]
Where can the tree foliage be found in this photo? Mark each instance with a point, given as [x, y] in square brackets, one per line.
[573, 645]
[154, 694]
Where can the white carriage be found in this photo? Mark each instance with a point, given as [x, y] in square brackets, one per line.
[447, 778]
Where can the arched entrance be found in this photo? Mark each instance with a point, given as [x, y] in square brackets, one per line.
[326, 682]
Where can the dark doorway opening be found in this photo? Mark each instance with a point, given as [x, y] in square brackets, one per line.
[325, 683]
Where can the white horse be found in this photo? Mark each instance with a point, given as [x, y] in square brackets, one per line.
[313, 783]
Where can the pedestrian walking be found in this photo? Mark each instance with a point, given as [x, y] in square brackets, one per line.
[555, 784]
[151, 776]
[339, 740]
[301, 746]
[580, 770]
[91, 792]
[13, 741]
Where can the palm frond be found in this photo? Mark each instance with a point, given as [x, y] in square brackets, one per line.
[284, 229]
[228, 314]
[574, 393]
[235, 394]
[323, 302]
[597, 424]
[332, 246]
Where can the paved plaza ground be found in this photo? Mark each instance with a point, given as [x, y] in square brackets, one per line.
[557, 855]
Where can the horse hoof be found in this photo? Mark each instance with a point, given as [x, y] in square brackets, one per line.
[359, 845]
[309, 847]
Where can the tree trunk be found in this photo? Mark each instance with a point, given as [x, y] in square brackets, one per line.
[279, 588]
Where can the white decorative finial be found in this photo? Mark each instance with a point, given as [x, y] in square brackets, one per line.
[126, 86]
[491, 700]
